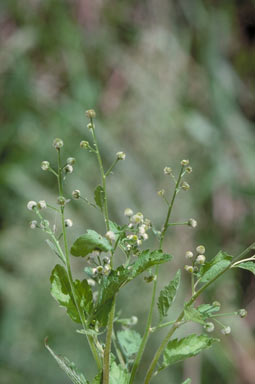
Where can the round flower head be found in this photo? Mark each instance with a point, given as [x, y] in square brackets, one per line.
[91, 282]
[133, 320]
[33, 224]
[137, 218]
[189, 169]
[200, 259]
[68, 223]
[128, 212]
[242, 313]
[107, 269]
[61, 200]
[121, 155]
[189, 255]
[192, 223]
[161, 192]
[76, 194]
[58, 143]
[41, 204]
[189, 268]
[200, 249]
[185, 186]
[68, 168]
[209, 326]
[71, 160]
[45, 165]
[100, 269]
[90, 113]
[185, 162]
[110, 235]
[31, 205]
[84, 144]
[226, 330]
[167, 170]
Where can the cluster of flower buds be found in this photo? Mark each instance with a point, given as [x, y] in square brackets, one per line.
[138, 226]
[199, 260]
[31, 205]
[103, 269]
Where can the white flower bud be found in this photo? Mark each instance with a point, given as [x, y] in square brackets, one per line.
[100, 269]
[161, 192]
[45, 165]
[128, 246]
[31, 205]
[242, 313]
[90, 126]
[189, 268]
[137, 218]
[121, 155]
[200, 249]
[110, 235]
[107, 269]
[90, 113]
[142, 229]
[84, 144]
[128, 212]
[68, 168]
[145, 236]
[189, 169]
[94, 271]
[71, 160]
[200, 259]
[192, 223]
[226, 330]
[41, 204]
[185, 186]
[61, 200]
[68, 223]
[58, 143]
[91, 282]
[33, 224]
[189, 255]
[139, 242]
[76, 194]
[209, 326]
[185, 162]
[167, 170]
[133, 320]
[130, 225]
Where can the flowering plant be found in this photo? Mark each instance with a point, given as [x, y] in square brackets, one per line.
[92, 301]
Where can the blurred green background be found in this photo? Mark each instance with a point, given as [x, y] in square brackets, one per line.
[169, 80]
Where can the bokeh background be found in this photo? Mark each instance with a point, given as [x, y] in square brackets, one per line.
[169, 80]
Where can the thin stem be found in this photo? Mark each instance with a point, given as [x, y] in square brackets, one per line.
[107, 351]
[118, 351]
[163, 325]
[185, 223]
[149, 319]
[180, 317]
[111, 167]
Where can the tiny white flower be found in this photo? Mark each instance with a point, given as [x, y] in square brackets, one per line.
[139, 242]
[137, 218]
[145, 236]
[110, 235]
[134, 320]
[71, 160]
[242, 313]
[185, 186]
[91, 282]
[200, 249]
[192, 223]
[226, 330]
[189, 268]
[185, 162]
[94, 271]
[33, 224]
[41, 204]
[68, 223]
[200, 259]
[130, 225]
[167, 171]
[68, 168]
[128, 246]
[90, 113]
[209, 326]
[128, 212]
[142, 229]
[31, 205]
[84, 144]
[161, 192]
[121, 155]
[76, 194]
[189, 255]
[100, 269]
[45, 165]
[58, 143]
[107, 269]
[189, 169]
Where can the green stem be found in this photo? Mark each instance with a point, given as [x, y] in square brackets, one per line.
[107, 351]
[149, 319]
[119, 354]
[111, 167]
[185, 223]
[180, 317]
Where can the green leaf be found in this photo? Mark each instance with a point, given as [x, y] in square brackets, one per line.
[148, 259]
[192, 314]
[61, 291]
[90, 242]
[207, 309]
[97, 379]
[118, 375]
[167, 295]
[211, 269]
[249, 265]
[187, 381]
[99, 196]
[129, 341]
[181, 349]
[84, 295]
[68, 367]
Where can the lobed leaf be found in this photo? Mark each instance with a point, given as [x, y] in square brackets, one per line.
[68, 367]
[89, 242]
[129, 341]
[211, 269]
[118, 375]
[148, 259]
[167, 295]
[181, 349]
[249, 265]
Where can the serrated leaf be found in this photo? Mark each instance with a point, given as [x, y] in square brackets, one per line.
[99, 196]
[187, 381]
[249, 265]
[148, 259]
[192, 314]
[118, 375]
[167, 295]
[211, 269]
[89, 242]
[181, 349]
[129, 341]
[68, 367]
[207, 309]
[61, 291]
[84, 295]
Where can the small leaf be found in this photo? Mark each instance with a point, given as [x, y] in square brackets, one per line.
[99, 196]
[84, 295]
[61, 291]
[129, 341]
[211, 269]
[148, 259]
[118, 375]
[249, 265]
[167, 295]
[90, 242]
[192, 314]
[207, 309]
[68, 367]
[181, 349]
[187, 381]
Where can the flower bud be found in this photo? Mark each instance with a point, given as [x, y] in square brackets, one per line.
[161, 192]
[185, 186]
[90, 126]
[91, 282]
[200, 259]
[68, 168]
[133, 320]
[242, 313]
[100, 269]
[58, 143]
[68, 223]
[90, 113]
[71, 160]
[76, 194]
[128, 212]
[192, 223]
[185, 162]
[106, 260]
[167, 170]
[84, 144]
[209, 326]
[137, 218]
[61, 200]
[226, 330]
[200, 249]
[41, 204]
[189, 169]
[189, 255]
[121, 155]
[110, 235]
[45, 165]
[189, 268]
[94, 271]
[107, 269]
[31, 205]
[216, 304]
[33, 224]
[139, 242]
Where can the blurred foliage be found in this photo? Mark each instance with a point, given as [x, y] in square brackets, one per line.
[169, 80]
